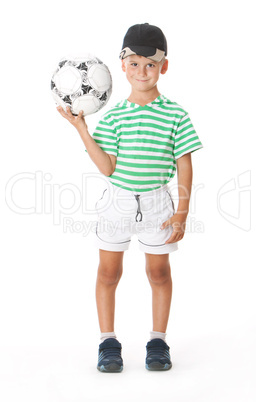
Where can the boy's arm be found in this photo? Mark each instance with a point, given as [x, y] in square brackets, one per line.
[178, 220]
[105, 163]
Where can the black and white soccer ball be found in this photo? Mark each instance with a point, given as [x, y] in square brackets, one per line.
[82, 83]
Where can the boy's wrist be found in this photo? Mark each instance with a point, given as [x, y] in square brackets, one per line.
[83, 131]
[183, 215]
[183, 209]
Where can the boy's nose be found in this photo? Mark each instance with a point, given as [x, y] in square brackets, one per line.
[142, 71]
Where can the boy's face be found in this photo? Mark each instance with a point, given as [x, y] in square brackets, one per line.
[143, 73]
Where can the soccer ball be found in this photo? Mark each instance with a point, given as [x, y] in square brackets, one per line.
[83, 83]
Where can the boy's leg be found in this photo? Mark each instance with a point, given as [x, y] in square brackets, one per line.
[109, 273]
[159, 275]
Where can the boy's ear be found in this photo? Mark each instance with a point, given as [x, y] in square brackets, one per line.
[164, 67]
[123, 66]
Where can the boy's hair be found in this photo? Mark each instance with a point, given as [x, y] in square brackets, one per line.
[144, 40]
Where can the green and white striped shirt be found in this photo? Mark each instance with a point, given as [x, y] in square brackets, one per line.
[147, 141]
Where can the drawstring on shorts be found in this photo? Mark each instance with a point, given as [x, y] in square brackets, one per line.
[138, 217]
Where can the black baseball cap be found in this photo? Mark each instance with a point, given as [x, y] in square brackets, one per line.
[144, 40]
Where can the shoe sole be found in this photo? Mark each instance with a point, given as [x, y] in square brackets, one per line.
[110, 368]
[158, 366]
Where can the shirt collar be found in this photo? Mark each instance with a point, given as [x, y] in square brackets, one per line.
[158, 100]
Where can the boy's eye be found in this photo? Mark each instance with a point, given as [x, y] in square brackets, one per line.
[150, 65]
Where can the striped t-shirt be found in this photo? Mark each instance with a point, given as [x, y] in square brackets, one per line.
[147, 141]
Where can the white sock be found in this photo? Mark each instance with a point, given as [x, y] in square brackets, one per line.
[106, 335]
[159, 335]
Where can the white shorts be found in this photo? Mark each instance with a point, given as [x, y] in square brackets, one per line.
[123, 213]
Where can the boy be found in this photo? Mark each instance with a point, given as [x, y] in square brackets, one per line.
[139, 144]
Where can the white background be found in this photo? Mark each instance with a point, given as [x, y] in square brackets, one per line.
[49, 330]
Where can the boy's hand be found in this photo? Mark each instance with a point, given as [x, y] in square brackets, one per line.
[77, 121]
[178, 223]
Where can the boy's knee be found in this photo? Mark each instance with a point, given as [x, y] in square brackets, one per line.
[109, 276]
[159, 275]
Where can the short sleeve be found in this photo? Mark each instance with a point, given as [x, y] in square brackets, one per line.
[186, 139]
[105, 135]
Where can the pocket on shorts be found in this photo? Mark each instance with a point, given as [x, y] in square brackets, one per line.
[99, 206]
[167, 209]
[170, 202]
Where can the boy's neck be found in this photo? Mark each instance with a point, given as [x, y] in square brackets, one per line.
[143, 98]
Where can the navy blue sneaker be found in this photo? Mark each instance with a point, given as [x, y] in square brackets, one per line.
[158, 355]
[110, 360]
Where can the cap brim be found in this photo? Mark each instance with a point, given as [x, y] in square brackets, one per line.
[145, 51]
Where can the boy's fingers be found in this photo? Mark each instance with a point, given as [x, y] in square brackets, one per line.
[165, 224]
[172, 239]
[175, 236]
[61, 111]
[68, 111]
